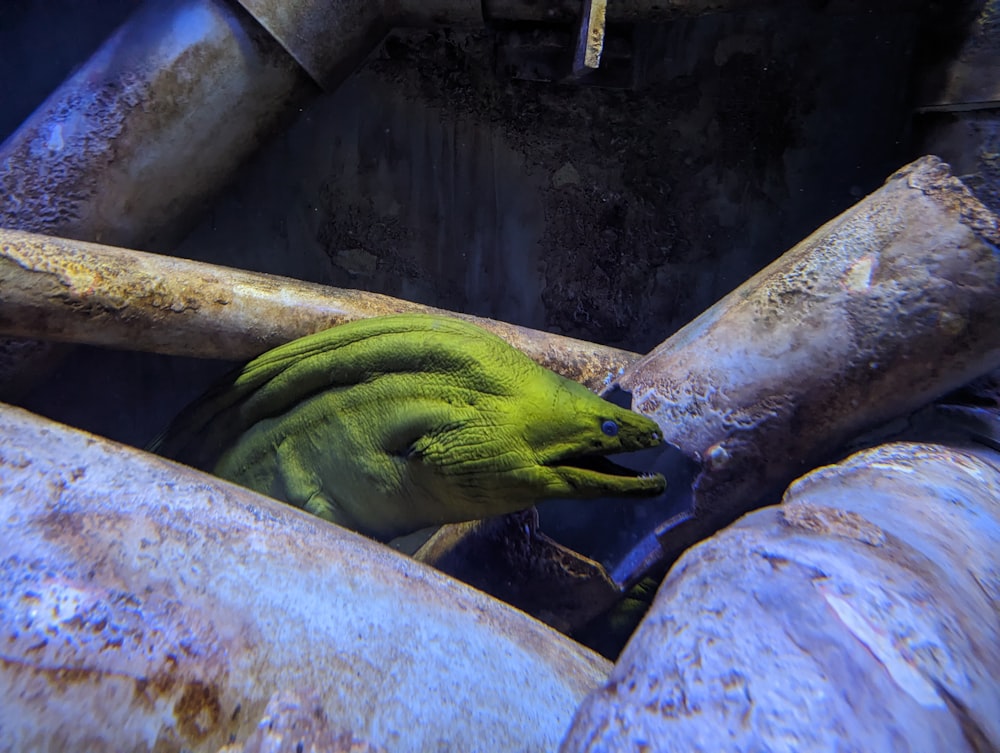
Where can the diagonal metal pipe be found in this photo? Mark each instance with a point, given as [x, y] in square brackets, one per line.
[76, 292]
[150, 127]
[879, 311]
[131, 146]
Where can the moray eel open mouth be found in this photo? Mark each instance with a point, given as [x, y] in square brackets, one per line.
[596, 475]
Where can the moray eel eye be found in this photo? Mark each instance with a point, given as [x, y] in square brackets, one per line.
[610, 428]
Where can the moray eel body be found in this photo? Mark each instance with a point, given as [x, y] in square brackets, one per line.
[391, 424]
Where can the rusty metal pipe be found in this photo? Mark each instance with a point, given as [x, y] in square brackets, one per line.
[70, 291]
[328, 37]
[860, 614]
[156, 122]
[145, 605]
[131, 146]
[884, 308]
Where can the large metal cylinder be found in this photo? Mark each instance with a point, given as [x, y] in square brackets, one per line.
[145, 606]
[151, 126]
[889, 305]
[861, 614]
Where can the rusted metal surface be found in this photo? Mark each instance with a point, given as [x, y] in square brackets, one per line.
[590, 36]
[132, 145]
[145, 605]
[294, 723]
[69, 291]
[329, 38]
[887, 306]
[153, 124]
[861, 614]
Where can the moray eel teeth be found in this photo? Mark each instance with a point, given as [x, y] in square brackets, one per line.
[597, 475]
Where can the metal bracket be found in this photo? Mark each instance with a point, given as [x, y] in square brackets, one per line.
[590, 37]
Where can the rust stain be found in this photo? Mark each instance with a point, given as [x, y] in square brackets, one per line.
[71, 633]
[65, 676]
[57, 525]
[198, 710]
[159, 684]
[832, 522]
[60, 678]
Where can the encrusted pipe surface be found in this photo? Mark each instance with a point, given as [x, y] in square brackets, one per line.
[329, 37]
[295, 722]
[130, 147]
[149, 127]
[885, 307]
[861, 614]
[147, 606]
[70, 291]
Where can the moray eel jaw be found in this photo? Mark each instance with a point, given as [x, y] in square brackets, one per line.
[597, 476]
[571, 436]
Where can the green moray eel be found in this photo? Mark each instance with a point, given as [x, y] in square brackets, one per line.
[395, 423]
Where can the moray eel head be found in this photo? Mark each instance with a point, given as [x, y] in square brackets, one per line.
[569, 432]
[517, 433]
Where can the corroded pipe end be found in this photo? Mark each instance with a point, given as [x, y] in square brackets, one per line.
[885, 307]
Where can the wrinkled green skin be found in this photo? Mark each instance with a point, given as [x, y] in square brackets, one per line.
[392, 424]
